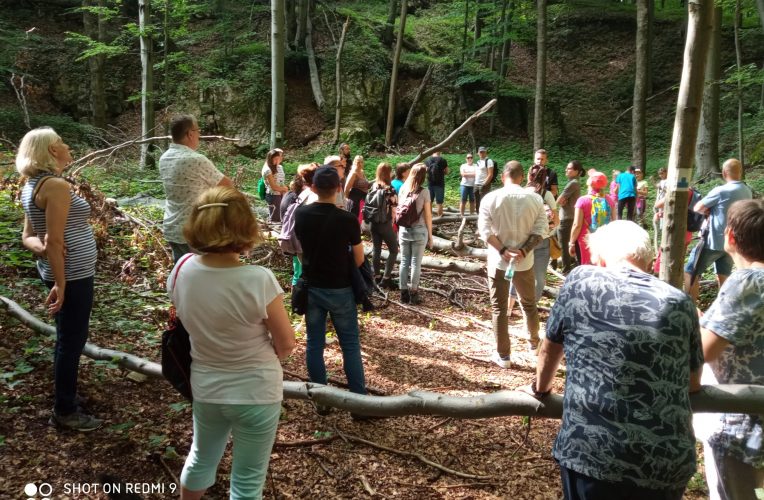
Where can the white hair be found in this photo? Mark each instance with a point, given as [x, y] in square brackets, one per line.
[34, 155]
[329, 160]
[621, 240]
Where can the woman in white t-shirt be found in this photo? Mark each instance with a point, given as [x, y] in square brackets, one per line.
[275, 187]
[239, 329]
[468, 171]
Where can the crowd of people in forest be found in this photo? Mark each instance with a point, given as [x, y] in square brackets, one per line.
[634, 345]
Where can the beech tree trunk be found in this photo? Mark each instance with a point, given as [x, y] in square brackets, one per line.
[478, 34]
[739, 65]
[95, 28]
[290, 19]
[683, 141]
[394, 77]
[502, 67]
[303, 7]
[538, 111]
[710, 399]
[147, 77]
[315, 79]
[412, 109]
[707, 149]
[387, 32]
[464, 34]
[638, 111]
[277, 72]
[338, 82]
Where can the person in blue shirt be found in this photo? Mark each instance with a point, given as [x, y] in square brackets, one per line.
[715, 205]
[626, 187]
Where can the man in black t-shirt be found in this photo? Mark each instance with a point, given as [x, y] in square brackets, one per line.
[437, 168]
[330, 237]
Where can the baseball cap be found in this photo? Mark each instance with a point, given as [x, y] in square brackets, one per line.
[482, 149]
[597, 180]
[326, 177]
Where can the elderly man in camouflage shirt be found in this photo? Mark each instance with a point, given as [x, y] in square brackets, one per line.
[632, 344]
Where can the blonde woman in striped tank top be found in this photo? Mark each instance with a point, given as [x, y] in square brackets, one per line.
[57, 231]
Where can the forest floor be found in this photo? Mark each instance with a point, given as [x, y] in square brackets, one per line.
[437, 347]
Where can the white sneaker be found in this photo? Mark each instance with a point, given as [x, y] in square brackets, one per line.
[502, 361]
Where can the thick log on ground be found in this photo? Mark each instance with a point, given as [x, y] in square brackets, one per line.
[445, 219]
[710, 399]
[449, 246]
[475, 268]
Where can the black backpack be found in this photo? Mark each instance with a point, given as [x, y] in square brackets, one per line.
[436, 166]
[694, 219]
[375, 209]
[406, 214]
[496, 174]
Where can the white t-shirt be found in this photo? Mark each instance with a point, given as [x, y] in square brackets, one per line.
[185, 175]
[224, 310]
[466, 168]
[482, 170]
[280, 177]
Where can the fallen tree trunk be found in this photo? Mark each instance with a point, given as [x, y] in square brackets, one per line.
[444, 245]
[455, 133]
[474, 268]
[445, 219]
[710, 399]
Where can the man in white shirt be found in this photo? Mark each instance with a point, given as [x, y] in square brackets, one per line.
[185, 175]
[484, 171]
[511, 221]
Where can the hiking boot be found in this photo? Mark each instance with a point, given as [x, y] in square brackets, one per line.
[388, 284]
[77, 421]
[366, 305]
[405, 296]
[415, 299]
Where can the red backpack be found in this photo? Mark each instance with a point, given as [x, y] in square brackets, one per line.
[406, 214]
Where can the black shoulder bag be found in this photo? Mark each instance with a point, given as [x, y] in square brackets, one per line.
[176, 348]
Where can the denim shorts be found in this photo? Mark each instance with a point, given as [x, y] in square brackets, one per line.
[437, 194]
[467, 192]
[719, 258]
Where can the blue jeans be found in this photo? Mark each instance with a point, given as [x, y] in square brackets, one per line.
[719, 258]
[254, 430]
[467, 192]
[412, 241]
[72, 323]
[540, 263]
[339, 303]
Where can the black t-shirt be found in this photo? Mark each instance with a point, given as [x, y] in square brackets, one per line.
[551, 178]
[436, 170]
[326, 234]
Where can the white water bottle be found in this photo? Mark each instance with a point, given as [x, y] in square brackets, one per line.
[510, 272]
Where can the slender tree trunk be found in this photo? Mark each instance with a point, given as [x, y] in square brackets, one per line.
[638, 110]
[464, 35]
[387, 33]
[302, 23]
[290, 19]
[538, 113]
[685, 133]
[338, 82]
[315, 79]
[277, 72]
[650, 41]
[95, 28]
[166, 68]
[707, 149]
[394, 77]
[502, 61]
[412, 109]
[739, 66]
[479, 15]
[147, 77]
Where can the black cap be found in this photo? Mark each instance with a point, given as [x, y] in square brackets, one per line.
[326, 177]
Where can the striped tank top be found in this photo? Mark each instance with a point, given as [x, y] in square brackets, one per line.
[81, 251]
